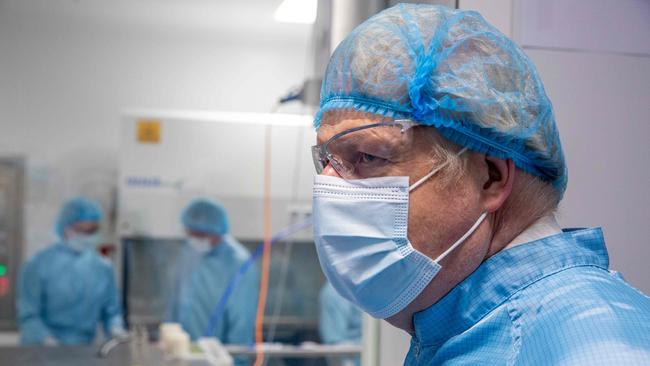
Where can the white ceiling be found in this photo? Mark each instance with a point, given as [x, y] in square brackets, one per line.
[210, 18]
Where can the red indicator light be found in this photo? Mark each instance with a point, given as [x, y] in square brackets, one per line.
[4, 286]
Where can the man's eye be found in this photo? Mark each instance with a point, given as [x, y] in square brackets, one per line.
[365, 158]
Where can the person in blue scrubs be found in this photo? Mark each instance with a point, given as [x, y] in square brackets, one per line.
[440, 169]
[65, 290]
[339, 322]
[210, 259]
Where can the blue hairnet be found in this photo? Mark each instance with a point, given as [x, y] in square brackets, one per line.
[77, 210]
[452, 70]
[206, 216]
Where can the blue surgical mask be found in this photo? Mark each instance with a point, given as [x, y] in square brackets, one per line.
[360, 230]
[82, 241]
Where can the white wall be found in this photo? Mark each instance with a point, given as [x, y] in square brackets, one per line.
[602, 104]
[67, 69]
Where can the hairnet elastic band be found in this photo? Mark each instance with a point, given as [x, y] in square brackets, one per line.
[361, 104]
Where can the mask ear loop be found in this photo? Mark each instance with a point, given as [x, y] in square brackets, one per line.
[462, 238]
[434, 171]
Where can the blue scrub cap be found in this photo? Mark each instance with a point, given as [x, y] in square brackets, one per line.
[206, 216]
[77, 210]
[452, 70]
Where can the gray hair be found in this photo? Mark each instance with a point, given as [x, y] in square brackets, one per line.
[531, 197]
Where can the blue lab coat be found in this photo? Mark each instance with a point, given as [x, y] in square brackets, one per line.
[64, 294]
[203, 280]
[552, 301]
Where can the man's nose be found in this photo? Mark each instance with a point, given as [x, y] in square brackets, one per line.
[330, 171]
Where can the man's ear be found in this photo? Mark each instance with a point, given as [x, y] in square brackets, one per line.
[498, 185]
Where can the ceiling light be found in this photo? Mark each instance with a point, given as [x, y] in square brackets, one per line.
[296, 11]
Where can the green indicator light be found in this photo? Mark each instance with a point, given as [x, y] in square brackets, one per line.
[3, 270]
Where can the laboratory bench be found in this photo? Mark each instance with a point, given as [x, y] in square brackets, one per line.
[122, 355]
[145, 354]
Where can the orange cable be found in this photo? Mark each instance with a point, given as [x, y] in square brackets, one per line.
[266, 253]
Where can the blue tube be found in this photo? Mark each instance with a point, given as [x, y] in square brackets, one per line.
[221, 305]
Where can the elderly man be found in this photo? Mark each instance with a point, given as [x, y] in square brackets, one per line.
[65, 290]
[440, 168]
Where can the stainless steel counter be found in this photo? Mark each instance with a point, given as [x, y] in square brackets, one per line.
[290, 351]
[146, 354]
[122, 355]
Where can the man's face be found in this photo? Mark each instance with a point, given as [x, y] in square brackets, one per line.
[439, 212]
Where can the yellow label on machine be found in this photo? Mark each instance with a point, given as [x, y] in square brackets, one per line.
[149, 131]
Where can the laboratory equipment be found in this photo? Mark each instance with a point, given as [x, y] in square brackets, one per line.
[150, 268]
[170, 158]
[11, 236]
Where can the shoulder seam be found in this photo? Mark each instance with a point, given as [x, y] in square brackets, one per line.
[515, 331]
[562, 269]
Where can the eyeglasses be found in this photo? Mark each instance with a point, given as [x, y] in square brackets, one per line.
[365, 151]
